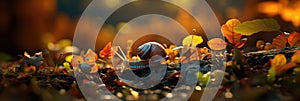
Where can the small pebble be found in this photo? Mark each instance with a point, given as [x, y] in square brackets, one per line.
[198, 88]
[228, 94]
[135, 94]
[169, 95]
[129, 98]
[188, 88]
[183, 95]
[157, 91]
[62, 91]
[167, 88]
[120, 95]
[107, 97]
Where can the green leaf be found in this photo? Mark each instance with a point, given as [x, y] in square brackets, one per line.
[271, 75]
[251, 27]
[203, 78]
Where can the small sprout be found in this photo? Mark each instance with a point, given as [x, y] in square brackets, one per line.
[203, 78]
[271, 75]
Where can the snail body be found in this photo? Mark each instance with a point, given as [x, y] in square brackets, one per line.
[149, 49]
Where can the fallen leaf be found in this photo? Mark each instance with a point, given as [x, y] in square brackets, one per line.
[106, 51]
[216, 44]
[294, 39]
[285, 67]
[278, 60]
[192, 40]
[241, 43]
[251, 27]
[296, 57]
[280, 41]
[227, 30]
[172, 53]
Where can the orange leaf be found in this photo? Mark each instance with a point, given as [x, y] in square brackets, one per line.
[294, 39]
[296, 57]
[285, 67]
[280, 41]
[106, 51]
[216, 44]
[227, 30]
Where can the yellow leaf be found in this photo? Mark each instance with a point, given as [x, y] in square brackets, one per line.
[69, 58]
[192, 40]
[278, 60]
[67, 66]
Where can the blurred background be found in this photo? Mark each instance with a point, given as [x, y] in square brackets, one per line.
[35, 25]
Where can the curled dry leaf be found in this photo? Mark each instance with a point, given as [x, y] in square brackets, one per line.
[106, 51]
[294, 39]
[172, 52]
[216, 44]
[241, 43]
[280, 41]
[285, 67]
[227, 30]
[203, 50]
[296, 57]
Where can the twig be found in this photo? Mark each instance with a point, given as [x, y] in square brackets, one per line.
[122, 53]
[117, 54]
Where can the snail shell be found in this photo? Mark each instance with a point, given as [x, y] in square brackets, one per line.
[147, 50]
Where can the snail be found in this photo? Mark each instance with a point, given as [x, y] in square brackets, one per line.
[149, 49]
[146, 52]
